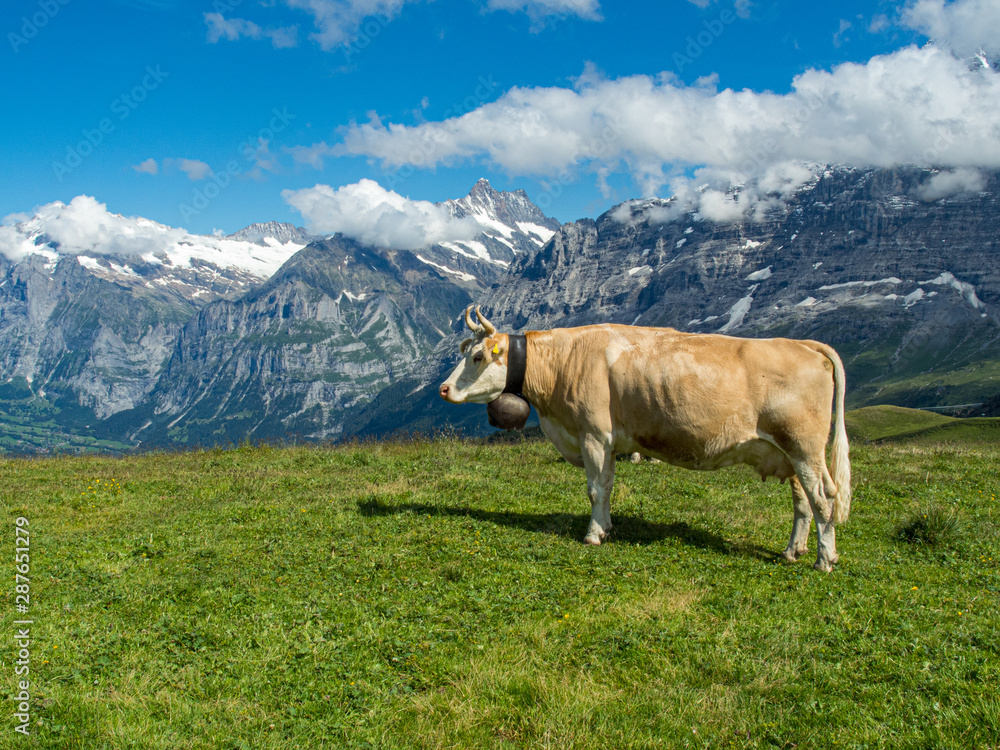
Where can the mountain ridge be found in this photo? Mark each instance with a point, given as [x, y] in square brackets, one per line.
[894, 267]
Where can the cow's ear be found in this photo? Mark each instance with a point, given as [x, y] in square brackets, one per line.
[465, 345]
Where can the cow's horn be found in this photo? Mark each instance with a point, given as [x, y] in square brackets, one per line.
[475, 328]
[488, 328]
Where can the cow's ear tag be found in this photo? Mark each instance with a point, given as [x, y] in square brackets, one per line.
[496, 349]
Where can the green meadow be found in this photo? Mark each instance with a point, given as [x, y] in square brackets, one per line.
[436, 594]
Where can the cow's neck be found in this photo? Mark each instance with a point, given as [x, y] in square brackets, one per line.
[538, 379]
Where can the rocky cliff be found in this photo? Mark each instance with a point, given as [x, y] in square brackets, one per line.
[336, 325]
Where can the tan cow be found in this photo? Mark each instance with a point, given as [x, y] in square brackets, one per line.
[702, 401]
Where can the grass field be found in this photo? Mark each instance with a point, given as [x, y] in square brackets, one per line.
[436, 594]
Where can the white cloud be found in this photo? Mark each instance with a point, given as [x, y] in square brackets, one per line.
[232, 29]
[312, 155]
[540, 9]
[742, 7]
[719, 207]
[878, 24]
[147, 167]
[948, 184]
[964, 26]
[261, 158]
[370, 214]
[86, 226]
[916, 105]
[14, 244]
[16, 218]
[840, 35]
[785, 178]
[337, 21]
[195, 169]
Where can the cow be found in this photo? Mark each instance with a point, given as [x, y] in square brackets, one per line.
[701, 401]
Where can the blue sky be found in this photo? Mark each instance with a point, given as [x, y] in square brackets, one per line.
[211, 115]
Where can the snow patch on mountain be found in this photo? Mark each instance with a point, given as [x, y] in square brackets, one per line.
[764, 273]
[544, 234]
[967, 290]
[86, 229]
[459, 274]
[738, 311]
[846, 284]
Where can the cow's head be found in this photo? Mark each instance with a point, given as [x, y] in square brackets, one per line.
[481, 376]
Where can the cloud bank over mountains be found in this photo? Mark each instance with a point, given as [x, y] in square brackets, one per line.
[376, 216]
[932, 105]
[965, 26]
[84, 226]
[916, 106]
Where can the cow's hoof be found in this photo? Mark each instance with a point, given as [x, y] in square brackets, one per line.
[791, 554]
[592, 540]
[823, 566]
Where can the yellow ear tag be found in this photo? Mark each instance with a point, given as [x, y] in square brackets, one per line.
[496, 349]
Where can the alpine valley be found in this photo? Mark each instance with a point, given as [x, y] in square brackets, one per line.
[137, 335]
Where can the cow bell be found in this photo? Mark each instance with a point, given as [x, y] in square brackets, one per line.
[508, 412]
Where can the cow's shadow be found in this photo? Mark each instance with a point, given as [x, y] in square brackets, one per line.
[629, 529]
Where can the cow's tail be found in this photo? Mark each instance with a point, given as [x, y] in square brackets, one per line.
[840, 461]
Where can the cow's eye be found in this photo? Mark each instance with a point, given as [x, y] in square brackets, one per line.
[477, 357]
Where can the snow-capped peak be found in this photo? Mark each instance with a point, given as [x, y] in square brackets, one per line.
[85, 227]
[282, 232]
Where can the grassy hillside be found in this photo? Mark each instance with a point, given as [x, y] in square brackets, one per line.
[925, 382]
[437, 595]
[917, 426]
[880, 422]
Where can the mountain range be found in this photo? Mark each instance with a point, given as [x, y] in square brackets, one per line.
[118, 333]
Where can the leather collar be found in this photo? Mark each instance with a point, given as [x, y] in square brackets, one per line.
[517, 361]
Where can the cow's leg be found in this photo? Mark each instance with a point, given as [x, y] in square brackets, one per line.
[599, 462]
[810, 476]
[799, 542]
